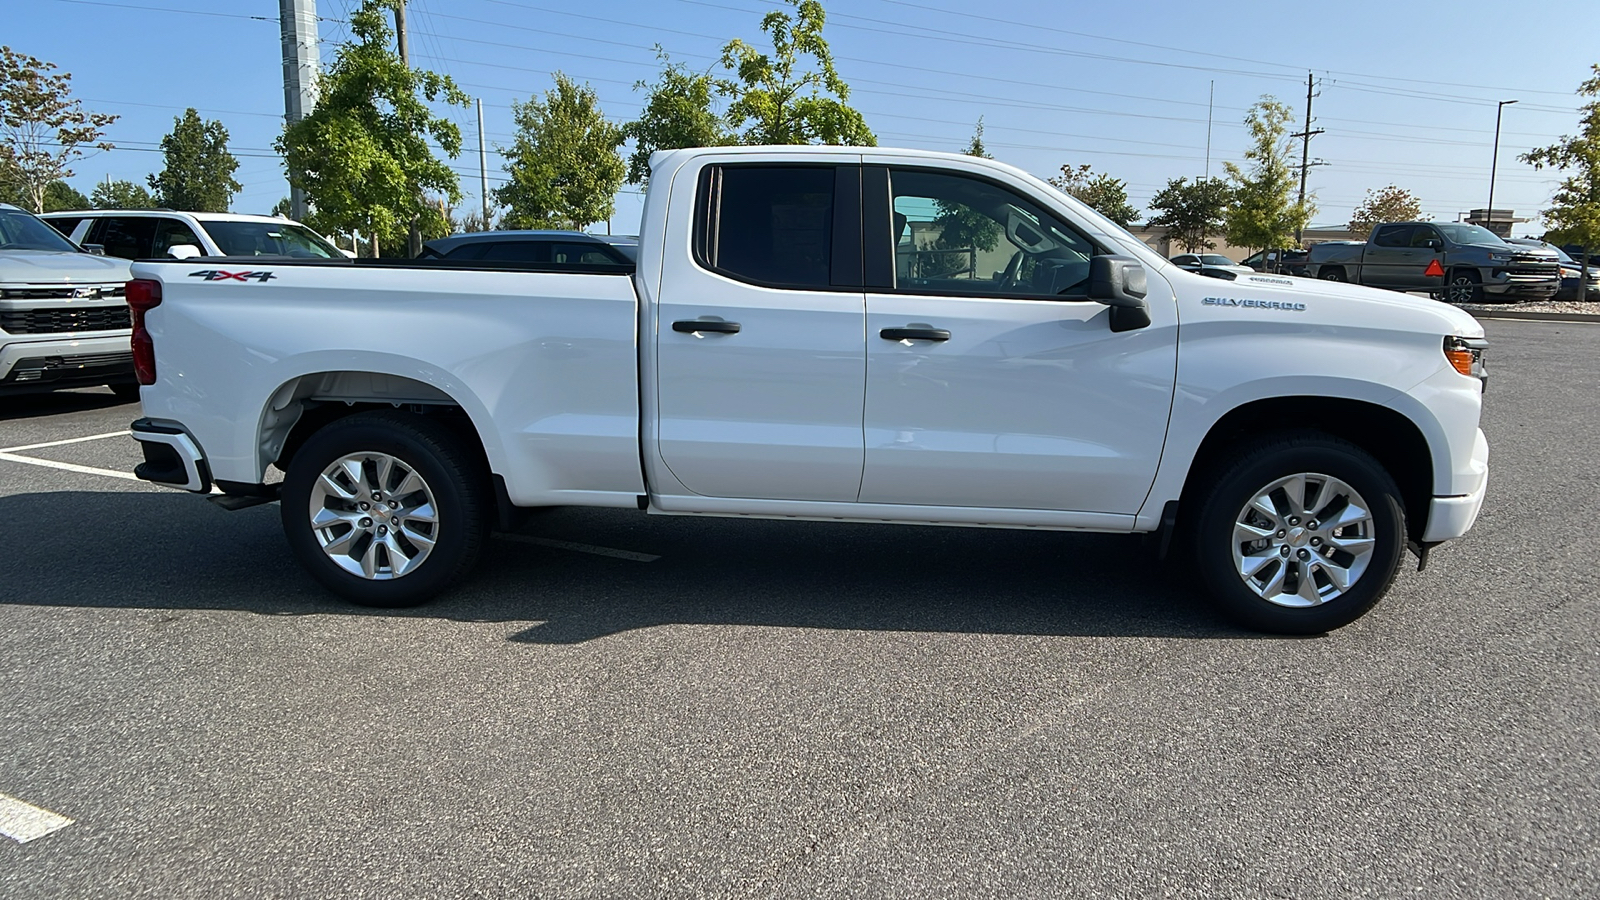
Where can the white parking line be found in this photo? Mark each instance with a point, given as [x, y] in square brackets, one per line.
[580, 548]
[92, 437]
[66, 467]
[24, 822]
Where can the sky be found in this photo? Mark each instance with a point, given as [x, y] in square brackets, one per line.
[1406, 90]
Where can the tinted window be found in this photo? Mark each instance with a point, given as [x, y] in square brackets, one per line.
[1469, 234]
[774, 225]
[128, 238]
[1393, 236]
[1422, 235]
[65, 226]
[582, 254]
[172, 232]
[515, 251]
[468, 251]
[956, 234]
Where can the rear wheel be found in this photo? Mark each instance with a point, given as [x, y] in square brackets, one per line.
[1302, 535]
[1333, 273]
[1464, 287]
[385, 509]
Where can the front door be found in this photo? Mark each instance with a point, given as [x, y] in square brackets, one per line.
[992, 379]
[760, 349]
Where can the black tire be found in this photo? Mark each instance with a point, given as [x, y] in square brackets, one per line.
[127, 393]
[452, 471]
[1465, 287]
[1234, 484]
[1331, 273]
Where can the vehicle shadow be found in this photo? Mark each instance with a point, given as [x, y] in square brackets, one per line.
[28, 406]
[166, 551]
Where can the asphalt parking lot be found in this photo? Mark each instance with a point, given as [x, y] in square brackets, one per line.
[750, 709]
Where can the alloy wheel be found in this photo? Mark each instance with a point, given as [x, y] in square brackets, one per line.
[374, 515]
[1303, 540]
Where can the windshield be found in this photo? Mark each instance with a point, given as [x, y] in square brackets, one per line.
[1216, 259]
[269, 239]
[21, 231]
[1461, 233]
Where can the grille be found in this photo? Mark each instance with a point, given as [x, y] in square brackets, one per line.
[64, 320]
[65, 292]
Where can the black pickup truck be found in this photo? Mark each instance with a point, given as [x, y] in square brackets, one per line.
[1460, 263]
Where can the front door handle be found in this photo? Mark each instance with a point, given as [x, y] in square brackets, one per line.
[690, 326]
[914, 334]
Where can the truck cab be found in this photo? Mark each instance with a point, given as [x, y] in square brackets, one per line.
[1455, 261]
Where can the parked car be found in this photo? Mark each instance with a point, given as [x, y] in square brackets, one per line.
[1571, 272]
[1576, 252]
[152, 233]
[1212, 265]
[773, 356]
[1459, 262]
[1294, 262]
[63, 320]
[558, 247]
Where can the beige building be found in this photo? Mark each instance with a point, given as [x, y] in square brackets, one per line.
[1156, 238]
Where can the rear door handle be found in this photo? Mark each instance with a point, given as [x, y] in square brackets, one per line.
[914, 334]
[690, 326]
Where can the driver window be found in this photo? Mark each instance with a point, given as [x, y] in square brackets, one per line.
[954, 234]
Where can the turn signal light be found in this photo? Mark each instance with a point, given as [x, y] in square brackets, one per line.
[1466, 356]
[1461, 359]
[143, 295]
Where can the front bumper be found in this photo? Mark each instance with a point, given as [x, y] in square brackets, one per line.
[1525, 288]
[1451, 517]
[172, 457]
[45, 365]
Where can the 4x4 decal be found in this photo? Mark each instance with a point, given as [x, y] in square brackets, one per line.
[220, 275]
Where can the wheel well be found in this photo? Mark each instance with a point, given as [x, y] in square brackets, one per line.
[1391, 438]
[305, 405]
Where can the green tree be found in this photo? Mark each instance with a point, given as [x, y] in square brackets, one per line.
[362, 155]
[677, 113]
[775, 99]
[564, 165]
[1386, 204]
[121, 195]
[1262, 216]
[1191, 211]
[975, 146]
[1574, 213]
[42, 129]
[1104, 194]
[59, 195]
[198, 175]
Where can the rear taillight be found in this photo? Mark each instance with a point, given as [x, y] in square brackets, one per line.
[143, 295]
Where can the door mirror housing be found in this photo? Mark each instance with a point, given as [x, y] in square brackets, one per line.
[1433, 244]
[1119, 282]
[184, 251]
[95, 249]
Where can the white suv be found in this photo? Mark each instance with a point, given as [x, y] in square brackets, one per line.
[156, 233]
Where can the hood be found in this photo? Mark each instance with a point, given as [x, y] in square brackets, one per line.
[1366, 305]
[59, 267]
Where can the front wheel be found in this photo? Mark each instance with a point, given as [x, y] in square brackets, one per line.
[385, 509]
[1464, 288]
[1301, 535]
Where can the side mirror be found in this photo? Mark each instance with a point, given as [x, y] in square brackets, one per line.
[184, 251]
[95, 249]
[1433, 244]
[1119, 282]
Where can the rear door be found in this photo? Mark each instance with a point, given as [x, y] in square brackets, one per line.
[992, 379]
[1388, 256]
[128, 237]
[760, 351]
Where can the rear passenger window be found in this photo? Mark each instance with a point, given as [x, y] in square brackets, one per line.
[468, 252]
[127, 237]
[770, 225]
[1393, 236]
[581, 254]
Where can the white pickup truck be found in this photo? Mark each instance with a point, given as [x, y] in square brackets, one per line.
[830, 334]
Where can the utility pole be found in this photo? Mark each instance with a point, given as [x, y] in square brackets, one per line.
[297, 21]
[414, 239]
[1488, 215]
[1211, 102]
[1305, 146]
[483, 168]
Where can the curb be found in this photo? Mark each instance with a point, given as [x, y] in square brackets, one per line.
[1590, 318]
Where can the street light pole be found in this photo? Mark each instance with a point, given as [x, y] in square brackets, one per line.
[1495, 163]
